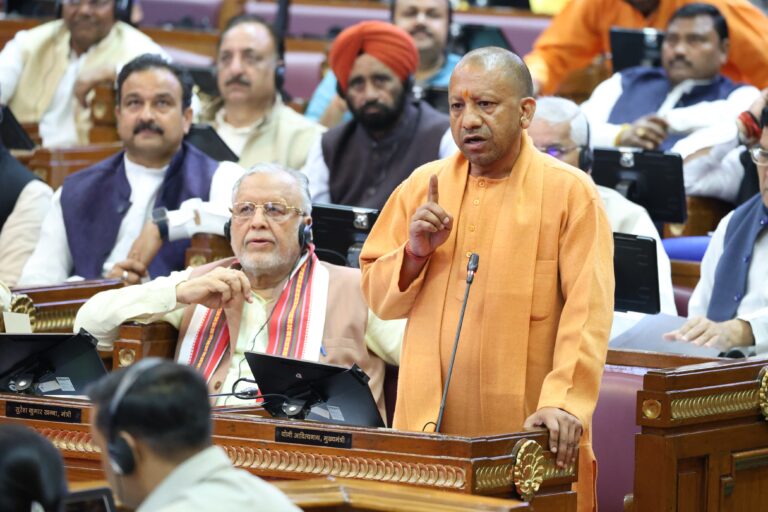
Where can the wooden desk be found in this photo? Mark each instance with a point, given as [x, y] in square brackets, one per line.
[704, 439]
[505, 466]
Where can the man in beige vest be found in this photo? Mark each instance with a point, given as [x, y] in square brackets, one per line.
[42, 70]
[274, 297]
[250, 115]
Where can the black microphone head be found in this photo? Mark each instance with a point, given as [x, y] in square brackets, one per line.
[474, 260]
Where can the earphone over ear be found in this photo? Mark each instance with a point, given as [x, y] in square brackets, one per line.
[586, 158]
[120, 455]
[123, 10]
[279, 76]
[305, 234]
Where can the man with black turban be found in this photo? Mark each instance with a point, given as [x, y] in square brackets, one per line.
[361, 162]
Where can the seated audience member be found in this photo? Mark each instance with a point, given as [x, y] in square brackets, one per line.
[561, 130]
[726, 170]
[44, 68]
[99, 211]
[24, 201]
[274, 263]
[361, 162]
[729, 307]
[152, 423]
[581, 32]
[680, 106]
[429, 23]
[32, 474]
[250, 115]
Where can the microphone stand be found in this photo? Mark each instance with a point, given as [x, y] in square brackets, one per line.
[471, 269]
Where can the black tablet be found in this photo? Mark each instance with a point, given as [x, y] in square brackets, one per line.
[636, 270]
[339, 232]
[631, 47]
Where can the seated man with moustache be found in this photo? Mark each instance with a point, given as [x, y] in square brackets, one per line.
[241, 303]
[729, 307]
[360, 162]
[561, 130]
[250, 115]
[43, 69]
[152, 424]
[677, 107]
[99, 212]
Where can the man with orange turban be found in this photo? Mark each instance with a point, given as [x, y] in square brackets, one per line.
[360, 162]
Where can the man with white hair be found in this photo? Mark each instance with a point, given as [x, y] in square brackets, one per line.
[245, 299]
[561, 130]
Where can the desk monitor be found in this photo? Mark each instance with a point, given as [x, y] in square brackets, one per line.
[13, 135]
[314, 391]
[437, 97]
[89, 500]
[49, 364]
[205, 138]
[652, 179]
[631, 47]
[636, 270]
[339, 232]
[471, 37]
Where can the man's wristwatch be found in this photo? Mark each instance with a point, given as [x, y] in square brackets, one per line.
[160, 218]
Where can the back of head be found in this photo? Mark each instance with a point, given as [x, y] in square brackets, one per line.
[166, 407]
[31, 470]
[503, 63]
[695, 10]
[555, 110]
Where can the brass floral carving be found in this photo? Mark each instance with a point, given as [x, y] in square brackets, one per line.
[21, 303]
[710, 405]
[651, 409]
[528, 469]
[762, 379]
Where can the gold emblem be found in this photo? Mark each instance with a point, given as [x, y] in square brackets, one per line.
[528, 471]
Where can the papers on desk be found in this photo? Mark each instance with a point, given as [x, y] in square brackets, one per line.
[646, 333]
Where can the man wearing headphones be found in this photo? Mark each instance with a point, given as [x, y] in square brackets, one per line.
[250, 115]
[361, 162]
[42, 70]
[152, 423]
[429, 24]
[561, 130]
[274, 267]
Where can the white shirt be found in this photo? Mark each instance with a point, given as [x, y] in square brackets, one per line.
[51, 261]
[703, 122]
[234, 137]
[628, 217]
[717, 174]
[57, 125]
[21, 231]
[319, 175]
[754, 306]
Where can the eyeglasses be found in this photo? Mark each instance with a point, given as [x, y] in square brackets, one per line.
[759, 155]
[89, 3]
[275, 211]
[557, 151]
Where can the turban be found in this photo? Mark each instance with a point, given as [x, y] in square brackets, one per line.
[387, 43]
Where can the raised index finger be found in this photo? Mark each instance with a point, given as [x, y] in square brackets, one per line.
[433, 195]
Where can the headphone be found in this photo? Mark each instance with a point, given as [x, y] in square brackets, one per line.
[305, 234]
[586, 157]
[123, 10]
[120, 455]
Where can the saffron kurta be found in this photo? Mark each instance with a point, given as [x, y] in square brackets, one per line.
[581, 32]
[536, 328]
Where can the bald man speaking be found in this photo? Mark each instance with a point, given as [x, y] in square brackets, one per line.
[535, 334]
[359, 163]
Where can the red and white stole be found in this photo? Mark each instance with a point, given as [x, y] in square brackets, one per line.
[295, 326]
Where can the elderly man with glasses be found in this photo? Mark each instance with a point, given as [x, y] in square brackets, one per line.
[729, 307]
[47, 72]
[274, 296]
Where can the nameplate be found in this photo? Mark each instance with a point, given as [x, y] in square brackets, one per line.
[42, 412]
[313, 437]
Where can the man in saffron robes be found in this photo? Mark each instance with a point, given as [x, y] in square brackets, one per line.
[536, 328]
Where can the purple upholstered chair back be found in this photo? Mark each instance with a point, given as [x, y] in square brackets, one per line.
[302, 73]
[613, 436]
[201, 12]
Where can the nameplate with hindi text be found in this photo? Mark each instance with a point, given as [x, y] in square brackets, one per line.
[42, 412]
[327, 438]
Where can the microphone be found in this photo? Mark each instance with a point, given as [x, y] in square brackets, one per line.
[474, 260]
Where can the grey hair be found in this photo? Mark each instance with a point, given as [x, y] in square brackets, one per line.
[265, 168]
[555, 110]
